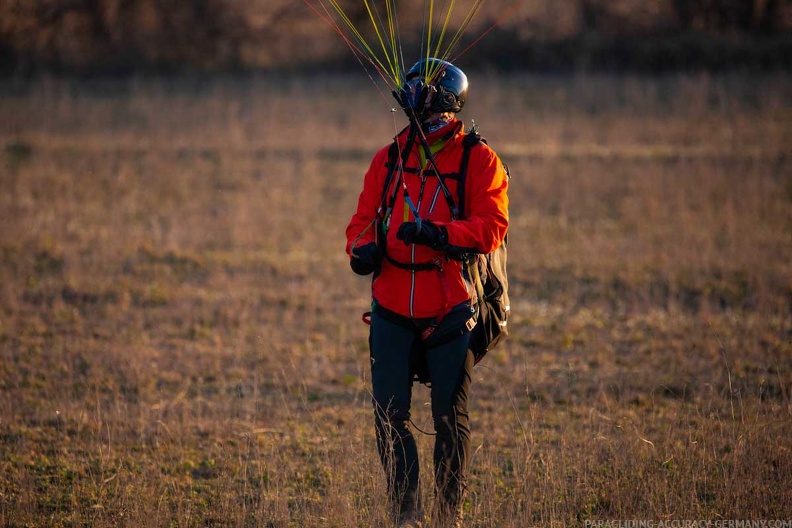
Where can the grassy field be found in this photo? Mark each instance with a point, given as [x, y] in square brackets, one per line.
[180, 334]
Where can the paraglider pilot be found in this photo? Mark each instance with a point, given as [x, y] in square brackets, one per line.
[406, 235]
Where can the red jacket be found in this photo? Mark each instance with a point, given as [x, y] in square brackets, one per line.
[427, 293]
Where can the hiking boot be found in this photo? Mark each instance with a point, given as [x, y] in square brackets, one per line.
[408, 512]
[410, 516]
[410, 521]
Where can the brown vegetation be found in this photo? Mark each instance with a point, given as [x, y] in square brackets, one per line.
[161, 35]
[180, 335]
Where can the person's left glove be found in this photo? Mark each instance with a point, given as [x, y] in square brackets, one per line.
[436, 237]
[366, 259]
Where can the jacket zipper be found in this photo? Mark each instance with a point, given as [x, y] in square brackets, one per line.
[434, 199]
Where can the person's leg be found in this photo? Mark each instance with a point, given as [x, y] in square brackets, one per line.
[450, 367]
[390, 345]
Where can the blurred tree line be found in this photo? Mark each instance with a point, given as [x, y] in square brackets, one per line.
[124, 36]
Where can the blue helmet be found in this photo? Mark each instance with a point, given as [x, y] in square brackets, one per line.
[449, 82]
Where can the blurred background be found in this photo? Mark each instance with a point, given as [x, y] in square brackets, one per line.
[139, 36]
[180, 334]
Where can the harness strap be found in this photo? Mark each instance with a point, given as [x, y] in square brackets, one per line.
[434, 264]
[426, 171]
[447, 294]
[471, 139]
[406, 321]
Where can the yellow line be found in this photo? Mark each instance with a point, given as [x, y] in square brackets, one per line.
[387, 57]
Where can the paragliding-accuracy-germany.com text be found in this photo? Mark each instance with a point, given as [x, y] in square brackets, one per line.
[688, 523]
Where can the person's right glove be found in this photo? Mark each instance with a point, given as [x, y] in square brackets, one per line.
[366, 259]
[425, 234]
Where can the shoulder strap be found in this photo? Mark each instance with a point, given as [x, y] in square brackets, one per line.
[470, 140]
[392, 163]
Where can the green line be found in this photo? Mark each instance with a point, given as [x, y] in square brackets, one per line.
[388, 58]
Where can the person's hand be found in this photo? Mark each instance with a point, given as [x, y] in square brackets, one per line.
[436, 237]
[366, 259]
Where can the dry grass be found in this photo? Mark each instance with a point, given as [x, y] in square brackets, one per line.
[180, 333]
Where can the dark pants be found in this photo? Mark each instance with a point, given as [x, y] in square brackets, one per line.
[396, 348]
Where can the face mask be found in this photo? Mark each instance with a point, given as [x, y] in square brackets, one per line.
[434, 126]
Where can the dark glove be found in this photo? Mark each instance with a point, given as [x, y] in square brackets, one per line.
[436, 237]
[366, 259]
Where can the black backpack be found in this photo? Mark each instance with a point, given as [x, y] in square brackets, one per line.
[487, 272]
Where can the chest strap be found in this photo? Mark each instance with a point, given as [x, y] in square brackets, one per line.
[423, 266]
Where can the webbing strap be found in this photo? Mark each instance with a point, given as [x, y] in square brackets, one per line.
[423, 266]
[447, 291]
[471, 138]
